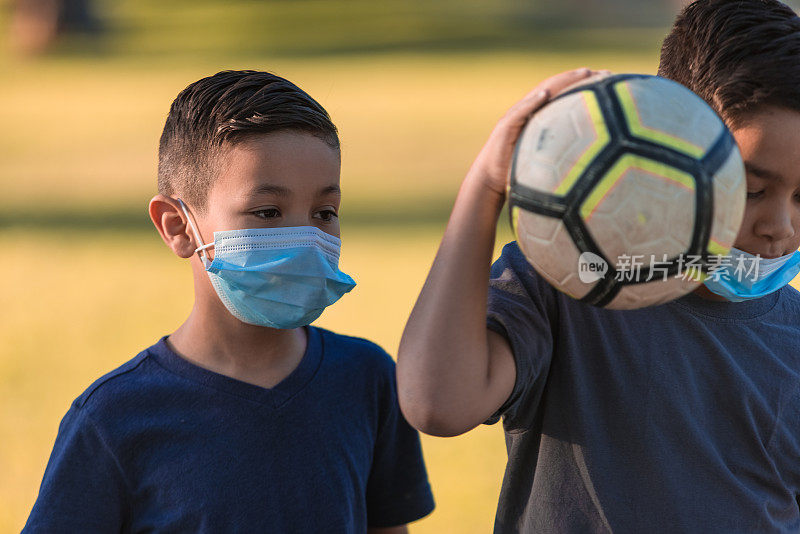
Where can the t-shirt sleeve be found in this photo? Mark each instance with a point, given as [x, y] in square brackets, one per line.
[83, 489]
[398, 491]
[522, 308]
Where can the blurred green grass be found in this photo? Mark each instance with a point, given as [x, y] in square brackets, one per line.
[415, 89]
[81, 123]
[80, 135]
[248, 29]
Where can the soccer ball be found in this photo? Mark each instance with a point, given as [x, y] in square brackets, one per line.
[626, 190]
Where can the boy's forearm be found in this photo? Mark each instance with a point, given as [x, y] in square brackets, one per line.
[445, 381]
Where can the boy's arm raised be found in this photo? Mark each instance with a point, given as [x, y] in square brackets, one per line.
[452, 372]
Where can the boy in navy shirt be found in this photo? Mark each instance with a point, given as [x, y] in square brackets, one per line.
[683, 417]
[245, 419]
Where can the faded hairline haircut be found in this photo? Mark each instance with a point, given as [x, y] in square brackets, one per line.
[738, 55]
[222, 110]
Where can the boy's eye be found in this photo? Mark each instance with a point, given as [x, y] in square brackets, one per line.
[268, 213]
[326, 215]
[754, 194]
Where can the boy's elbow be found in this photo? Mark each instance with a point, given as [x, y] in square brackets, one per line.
[432, 420]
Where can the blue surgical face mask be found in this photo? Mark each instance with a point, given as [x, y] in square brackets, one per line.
[750, 277]
[276, 277]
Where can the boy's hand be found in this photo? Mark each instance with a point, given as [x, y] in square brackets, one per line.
[491, 167]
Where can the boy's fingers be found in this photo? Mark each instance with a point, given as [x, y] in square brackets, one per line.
[542, 93]
[530, 103]
[510, 126]
[559, 82]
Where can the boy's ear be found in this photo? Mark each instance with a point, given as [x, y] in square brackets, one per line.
[171, 223]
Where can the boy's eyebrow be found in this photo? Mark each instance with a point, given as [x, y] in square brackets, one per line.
[330, 190]
[270, 189]
[280, 191]
[761, 173]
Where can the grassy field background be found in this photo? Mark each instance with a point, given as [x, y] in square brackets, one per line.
[88, 283]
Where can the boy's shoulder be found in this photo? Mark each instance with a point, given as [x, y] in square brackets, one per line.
[787, 309]
[355, 351]
[116, 380]
[140, 379]
[791, 298]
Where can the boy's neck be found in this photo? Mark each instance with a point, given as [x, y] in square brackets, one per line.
[221, 343]
[707, 294]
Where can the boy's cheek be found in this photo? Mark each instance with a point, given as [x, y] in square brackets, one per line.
[746, 240]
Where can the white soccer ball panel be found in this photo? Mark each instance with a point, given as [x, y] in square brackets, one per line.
[549, 248]
[641, 214]
[689, 119]
[554, 140]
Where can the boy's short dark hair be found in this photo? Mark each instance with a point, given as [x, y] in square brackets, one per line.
[738, 55]
[225, 109]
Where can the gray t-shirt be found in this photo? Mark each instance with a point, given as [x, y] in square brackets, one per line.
[683, 417]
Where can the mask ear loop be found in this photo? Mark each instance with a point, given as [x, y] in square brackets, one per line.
[202, 248]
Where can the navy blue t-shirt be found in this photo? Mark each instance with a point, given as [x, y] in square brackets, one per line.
[683, 417]
[163, 445]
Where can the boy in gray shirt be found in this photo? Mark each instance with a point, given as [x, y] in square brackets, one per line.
[683, 417]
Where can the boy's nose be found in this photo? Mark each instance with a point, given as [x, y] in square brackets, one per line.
[776, 223]
[295, 219]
